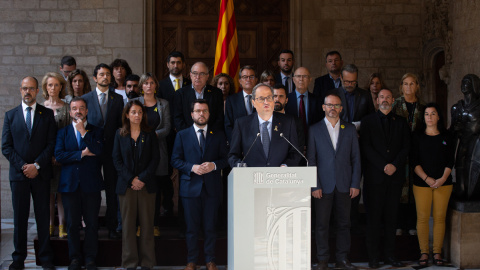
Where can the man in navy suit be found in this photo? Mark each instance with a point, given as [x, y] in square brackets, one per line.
[333, 148]
[286, 61]
[199, 153]
[331, 80]
[28, 140]
[263, 131]
[198, 90]
[240, 104]
[105, 110]
[79, 147]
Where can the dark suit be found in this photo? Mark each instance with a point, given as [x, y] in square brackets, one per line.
[338, 170]
[314, 111]
[234, 109]
[81, 191]
[137, 204]
[278, 79]
[322, 85]
[21, 148]
[110, 125]
[245, 132]
[382, 192]
[363, 104]
[201, 194]
[183, 102]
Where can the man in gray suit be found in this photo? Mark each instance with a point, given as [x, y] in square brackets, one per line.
[333, 148]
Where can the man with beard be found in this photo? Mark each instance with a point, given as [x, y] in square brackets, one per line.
[331, 80]
[198, 90]
[131, 86]
[105, 111]
[199, 154]
[28, 140]
[240, 104]
[286, 61]
[384, 142]
[333, 148]
[79, 147]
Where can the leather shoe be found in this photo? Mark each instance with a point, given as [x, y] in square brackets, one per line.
[191, 266]
[74, 265]
[211, 266]
[114, 235]
[394, 262]
[345, 264]
[91, 266]
[16, 266]
[373, 263]
[322, 265]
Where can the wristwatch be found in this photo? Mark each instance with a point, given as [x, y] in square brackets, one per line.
[36, 166]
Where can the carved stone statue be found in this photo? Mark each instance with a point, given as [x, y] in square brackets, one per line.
[466, 127]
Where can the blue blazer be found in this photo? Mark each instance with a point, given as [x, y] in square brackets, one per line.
[234, 109]
[245, 132]
[186, 153]
[77, 172]
[20, 148]
[340, 168]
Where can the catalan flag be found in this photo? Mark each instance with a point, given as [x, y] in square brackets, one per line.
[226, 53]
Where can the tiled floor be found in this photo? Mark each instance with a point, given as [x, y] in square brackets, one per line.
[6, 249]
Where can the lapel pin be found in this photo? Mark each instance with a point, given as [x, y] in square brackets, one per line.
[211, 132]
[155, 110]
[342, 126]
[40, 112]
[276, 128]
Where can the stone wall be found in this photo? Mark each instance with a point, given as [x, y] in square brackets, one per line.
[35, 34]
[378, 36]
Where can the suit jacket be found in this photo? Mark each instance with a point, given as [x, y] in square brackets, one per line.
[363, 104]
[147, 163]
[20, 148]
[187, 152]
[245, 132]
[379, 150]
[234, 109]
[183, 101]
[322, 85]
[113, 118]
[278, 79]
[162, 131]
[77, 172]
[314, 108]
[340, 168]
[167, 92]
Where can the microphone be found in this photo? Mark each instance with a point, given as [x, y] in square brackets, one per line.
[281, 135]
[242, 164]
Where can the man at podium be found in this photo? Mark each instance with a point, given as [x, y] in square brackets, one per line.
[264, 138]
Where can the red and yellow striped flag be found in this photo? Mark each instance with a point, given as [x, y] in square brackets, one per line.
[226, 53]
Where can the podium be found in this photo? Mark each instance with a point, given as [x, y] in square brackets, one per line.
[269, 225]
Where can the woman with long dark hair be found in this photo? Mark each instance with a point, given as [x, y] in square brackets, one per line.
[136, 157]
[433, 154]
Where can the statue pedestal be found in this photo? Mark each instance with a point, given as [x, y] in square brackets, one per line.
[463, 234]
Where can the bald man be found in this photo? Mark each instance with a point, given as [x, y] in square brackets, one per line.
[199, 89]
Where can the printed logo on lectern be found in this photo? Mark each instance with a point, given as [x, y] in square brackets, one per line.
[258, 178]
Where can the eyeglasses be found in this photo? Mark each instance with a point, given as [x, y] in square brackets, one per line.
[262, 99]
[251, 77]
[331, 106]
[31, 89]
[350, 82]
[201, 111]
[198, 74]
[301, 76]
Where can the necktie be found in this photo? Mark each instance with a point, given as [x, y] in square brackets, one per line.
[29, 120]
[302, 113]
[249, 104]
[103, 105]
[202, 139]
[265, 138]
[79, 140]
[177, 84]
[287, 86]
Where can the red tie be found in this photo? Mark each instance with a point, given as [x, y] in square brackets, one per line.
[302, 114]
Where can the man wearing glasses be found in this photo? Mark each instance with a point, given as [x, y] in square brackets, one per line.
[266, 132]
[28, 141]
[198, 90]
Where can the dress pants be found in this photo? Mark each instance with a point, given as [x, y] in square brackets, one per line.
[201, 211]
[40, 190]
[78, 204]
[164, 196]
[137, 205]
[110, 180]
[323, 207]
[383, 200]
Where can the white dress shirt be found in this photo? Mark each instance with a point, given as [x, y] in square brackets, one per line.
[333, 131]
[32, 112]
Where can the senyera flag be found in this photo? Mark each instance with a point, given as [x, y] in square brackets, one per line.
[226, 53]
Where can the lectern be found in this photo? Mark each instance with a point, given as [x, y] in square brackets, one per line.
[269, 224]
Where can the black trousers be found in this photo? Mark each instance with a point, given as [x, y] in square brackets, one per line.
[110, 180]
[164, 196]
